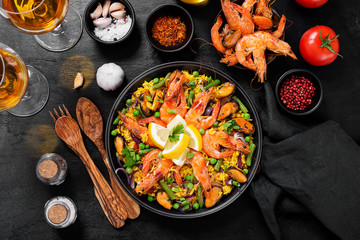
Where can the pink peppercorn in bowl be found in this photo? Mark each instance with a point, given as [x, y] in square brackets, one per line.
[299, 92]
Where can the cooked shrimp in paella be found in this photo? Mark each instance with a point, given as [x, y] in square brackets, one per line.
[184, 140]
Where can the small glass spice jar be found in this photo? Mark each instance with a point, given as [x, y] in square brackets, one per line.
[60, 212]
[51, 169]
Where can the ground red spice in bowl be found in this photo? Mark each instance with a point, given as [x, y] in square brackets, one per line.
[297, 92]
[169, 31]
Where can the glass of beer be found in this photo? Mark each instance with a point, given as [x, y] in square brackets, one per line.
[56, 25]
[24, 91]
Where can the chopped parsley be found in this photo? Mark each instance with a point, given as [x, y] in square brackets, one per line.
[230, 125]
[130, 157]
[174, 134]
[190, 155]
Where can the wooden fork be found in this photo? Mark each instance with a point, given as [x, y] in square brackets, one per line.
[68, 130]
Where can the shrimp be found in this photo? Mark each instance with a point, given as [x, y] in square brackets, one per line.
[201, 172]
[274, 44]
[215, 36]
[262, 22]
[262, 9]
[251, 44]
[136, 129]
[231, 15]
[211, 146]
[175, 101]
[174, 75]
[148, 159]
[247, 23]
[177, 175]
[152, 119]
[280, 30]
[194, 115]
[153, 177]
[212, 142]
[249, 4]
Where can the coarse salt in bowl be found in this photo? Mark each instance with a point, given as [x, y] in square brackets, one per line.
[117, 31]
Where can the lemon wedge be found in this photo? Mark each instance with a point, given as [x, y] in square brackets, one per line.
[181, 159]
[175, 149]
[158, 134]
[176, 121]
[195, 140]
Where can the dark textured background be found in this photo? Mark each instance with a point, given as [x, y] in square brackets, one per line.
[24, 140]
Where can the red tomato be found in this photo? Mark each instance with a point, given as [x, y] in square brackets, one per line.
[319, 50]
[311, 3]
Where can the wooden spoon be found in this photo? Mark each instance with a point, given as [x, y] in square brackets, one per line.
[90, 121]
[68, 130]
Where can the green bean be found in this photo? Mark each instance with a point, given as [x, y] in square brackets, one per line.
[249, 157]
[212, 84]
[171, 111]
[200, 197]
[218, 164]
[145, 151]
[190, 98]
[140, 111]
[167, 189]
[162, 82]
[241, 105]
[117, 120]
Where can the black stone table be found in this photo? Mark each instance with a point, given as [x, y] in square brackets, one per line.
[24, 140]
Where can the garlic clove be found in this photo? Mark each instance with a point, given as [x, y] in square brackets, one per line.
[118, 14]
[78, 81]
[116, 6]
[102, 22]
[106, 7]
[97, 13]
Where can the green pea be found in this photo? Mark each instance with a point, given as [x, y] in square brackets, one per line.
[201, 131]
[136, 113]
[235, 183]
[216, 124]
[188, 178]
[246, 115]
[213, 161]
[157, 114]
[170, 180]
[176, 205]
[114, 132]
[128, 102]
[137, 157]
[196, 73]
[150, 198]
[142, 145]
[245, 170]
[123, 111]
[190, 185]
[129, 170]
[196, 206]
[247, 138]
[156, 80]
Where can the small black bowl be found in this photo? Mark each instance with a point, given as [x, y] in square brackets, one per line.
[88, 22]
[169, 10]
[317, 98]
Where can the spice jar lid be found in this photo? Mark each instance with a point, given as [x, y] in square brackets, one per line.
[60, 212]
[51, 169]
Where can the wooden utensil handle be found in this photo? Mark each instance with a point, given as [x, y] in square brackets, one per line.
[133, 209]
[115, 209]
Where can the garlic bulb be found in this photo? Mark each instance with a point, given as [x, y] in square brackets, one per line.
[110, 76]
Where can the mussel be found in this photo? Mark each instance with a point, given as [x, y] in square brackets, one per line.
[236, 174]
[215, 194]
[225, 89]
[163, 199]
[145, 102]
[227, 109]
[119, 144]
[157, 99]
